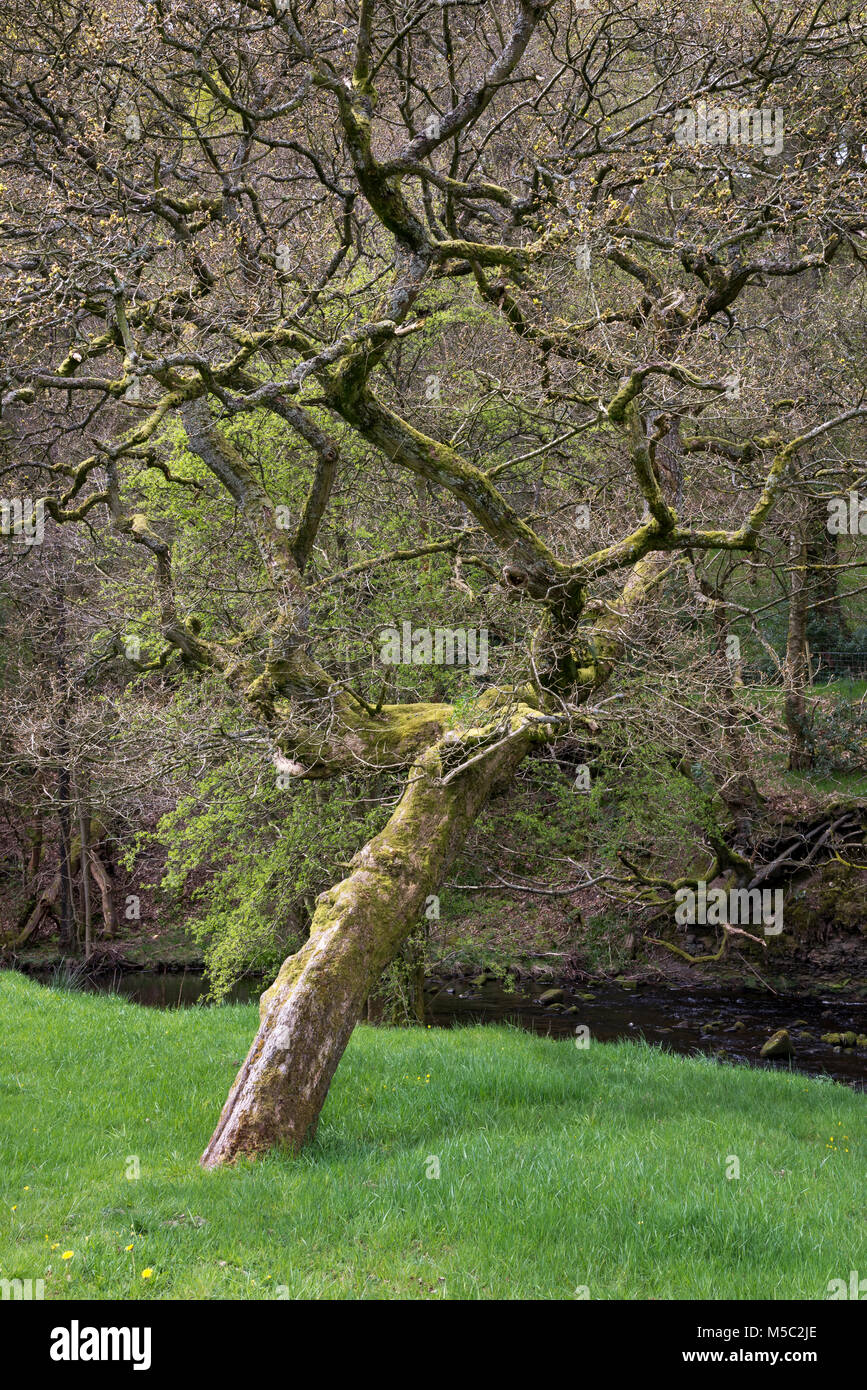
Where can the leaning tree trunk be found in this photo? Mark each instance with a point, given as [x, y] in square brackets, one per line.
[308, 1014]
[103, 883]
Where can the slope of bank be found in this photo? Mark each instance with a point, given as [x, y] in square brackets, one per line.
[479, 1162]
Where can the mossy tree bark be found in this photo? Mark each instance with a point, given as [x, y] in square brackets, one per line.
[308, 1014]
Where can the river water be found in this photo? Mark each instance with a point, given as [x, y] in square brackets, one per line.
[732, 1025]
[683, 1020]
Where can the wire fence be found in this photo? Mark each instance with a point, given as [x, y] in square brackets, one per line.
[823, 666]
[849, 665]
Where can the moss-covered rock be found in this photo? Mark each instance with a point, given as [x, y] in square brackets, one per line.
[551, 996]
[779, 1044]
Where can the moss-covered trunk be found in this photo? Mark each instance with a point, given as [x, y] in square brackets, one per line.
[308, 1014]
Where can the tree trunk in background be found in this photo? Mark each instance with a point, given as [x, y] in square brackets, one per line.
[795, 701]
[34, 859]
[50, 901]
[103, 882]
[66, 921]
[85, 871]
[46, 904]
[822, 559]
[308, 1014]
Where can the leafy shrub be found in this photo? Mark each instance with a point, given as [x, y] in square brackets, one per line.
[251, 857]
[838, 735]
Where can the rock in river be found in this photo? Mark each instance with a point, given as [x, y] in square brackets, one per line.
[779, 1044]
[551, 996]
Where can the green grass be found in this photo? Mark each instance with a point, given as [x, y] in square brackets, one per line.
[851, 689]
[559, 1167]
[845, 688]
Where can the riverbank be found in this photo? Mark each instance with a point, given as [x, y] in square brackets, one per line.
[171, 954]
[560, 1168]
[825, 1035]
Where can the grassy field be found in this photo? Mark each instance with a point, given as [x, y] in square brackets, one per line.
[560, 1169]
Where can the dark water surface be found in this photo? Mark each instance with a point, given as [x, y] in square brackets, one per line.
[683, 1020]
